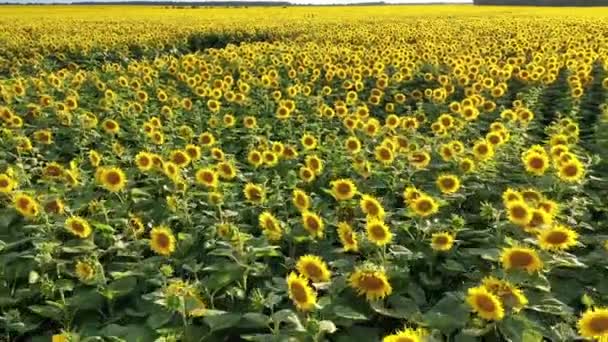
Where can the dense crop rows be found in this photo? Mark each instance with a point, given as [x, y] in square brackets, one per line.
[411, 174]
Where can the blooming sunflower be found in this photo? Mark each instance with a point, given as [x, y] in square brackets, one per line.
[352, 145]
[313, 224]
[254, 193]
[84, 271]
[306, 174]
[162, 240]
[254, 157]
[448, 184]
[302, 295]
[314, 163]
[309, 142]
[371, 207]
[406, 335]
[571, 171]
[442, 241]
[536, 163]
[343, 189]
[207, 177]
[112, 179]
[419, 159]
[300, 199]
[313, 268]
[347, 237]
[378, 232]
[110, 126]
[593, 323]
[7, 184]
[226, 170]
[487, 305]
[270, 158]
[270, 225]
[424, 206]
[511, 296]
[206, 139]
[384, 154]
[519, 212]
[180, 158]
[143, 161]
[510, 195]
[373, 283]
[521, 258]
[78, 226]
[482, 150]
[26, 205]
[557, 238]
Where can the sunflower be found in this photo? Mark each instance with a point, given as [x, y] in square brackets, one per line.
[193, 151]
[467, 165]
[593, 323]
[314, 163]
[207, 177]
[419, 159]
[571, 171]
[162, 240]
[309, 142]
[270, 158]
[442, 241]
[482, 150]
[110, 126]
[406, 335]
[548, 206]
[217, 153]
[302, 295]
[448, 184]
[53, 171]
[373, 283]
[254, 193]
[313, 224]
[206, 139]
[536, 163]
[180, 158]
[313, 268]
[347, 237]
[487, 305]
[384, 155]
[143, 161]
[343, 189]
[300, 199]
[352, 145]
[26, 205]
[509, 294]
[84, 271]
[112, 179]
[254, 157]
[78, 226]
[94, 158]
[424, 206]
[7, 184]
[371, 207]
[519, 212]
[226, 170]
[378, 232]
[557, 238]
[54, 206]
[306, 174]
[249, 122]
[270, 225]
[511, 195]
[521, 258]
[410, 194]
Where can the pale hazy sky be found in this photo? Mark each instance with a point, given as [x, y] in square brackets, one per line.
[292, 1]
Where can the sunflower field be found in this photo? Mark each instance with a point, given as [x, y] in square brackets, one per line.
[388, 173]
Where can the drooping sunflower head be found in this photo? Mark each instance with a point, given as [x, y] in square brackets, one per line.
[313, 268]
[371, 282]
[300, 199]
[347, 237]
[487, 305]
[343, 189]
[162, 240]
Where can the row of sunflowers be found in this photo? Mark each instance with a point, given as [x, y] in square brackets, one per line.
[413, 178]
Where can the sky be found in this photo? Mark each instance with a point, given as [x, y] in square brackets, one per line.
[292, 1]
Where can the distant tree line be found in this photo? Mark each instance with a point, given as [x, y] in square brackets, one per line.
[542, 2]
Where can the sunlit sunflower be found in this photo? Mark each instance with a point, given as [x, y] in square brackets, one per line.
[384, 154]
[7, 184]
[314, 163]
[84, 271]
[54, 206]
[206, 139]
[302, 295]
[347, 237]
[112, 179]
[371, 206]
[270, 158]
[419, 159]
[593, 323]
[306, 174]
[571, 171]
[309, 142]
[521, 258]
[193, 151]
[143, 161]
[373, 283]
[180, 158]
[549, 206]
[424, 206]
[442, 241]
[510, 296]
[78, 226]
[487, 305]
[254, 158]
[511, 195]
[519, 212]
[26, 205]
[207, 177]
[94, 158]
[406, 335]
[343, 189]
[378, 232]
[448, 184]
[313, 224]
[162, 240]
[226, 170]
[254, 193]
[313, 268]
[536, 163]
[300, 199]
[270, 225]
[352, 145]
[557, 238]
[482, 150]
[110, 126]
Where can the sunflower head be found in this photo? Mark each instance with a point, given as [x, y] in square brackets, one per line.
[162, 240]
[522, 258]
[302, 295]
[207, 177]
[313, 224]
[370, 282]
[112, 179]
[348, 238]
[254, 193]
[557, 238]
[594, 323]
[371, 207]
[487, 305]
[300, 199]
[378, 232]
[343, 189]
[313, 268]
[448, 184]
[78, 226]
[442, 241]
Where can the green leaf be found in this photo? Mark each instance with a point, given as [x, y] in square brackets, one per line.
[222, 321]
[398, 307]
[327, 326]
[223, 275]
[48, 311]
[122, 286]
[159, 318]
[417, 293]
[288, 316]
[348, 313]
[449, 314]
[129, 333]
[254, 320]
[518, 328]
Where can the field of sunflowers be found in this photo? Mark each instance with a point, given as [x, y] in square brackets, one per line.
[390, 173]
